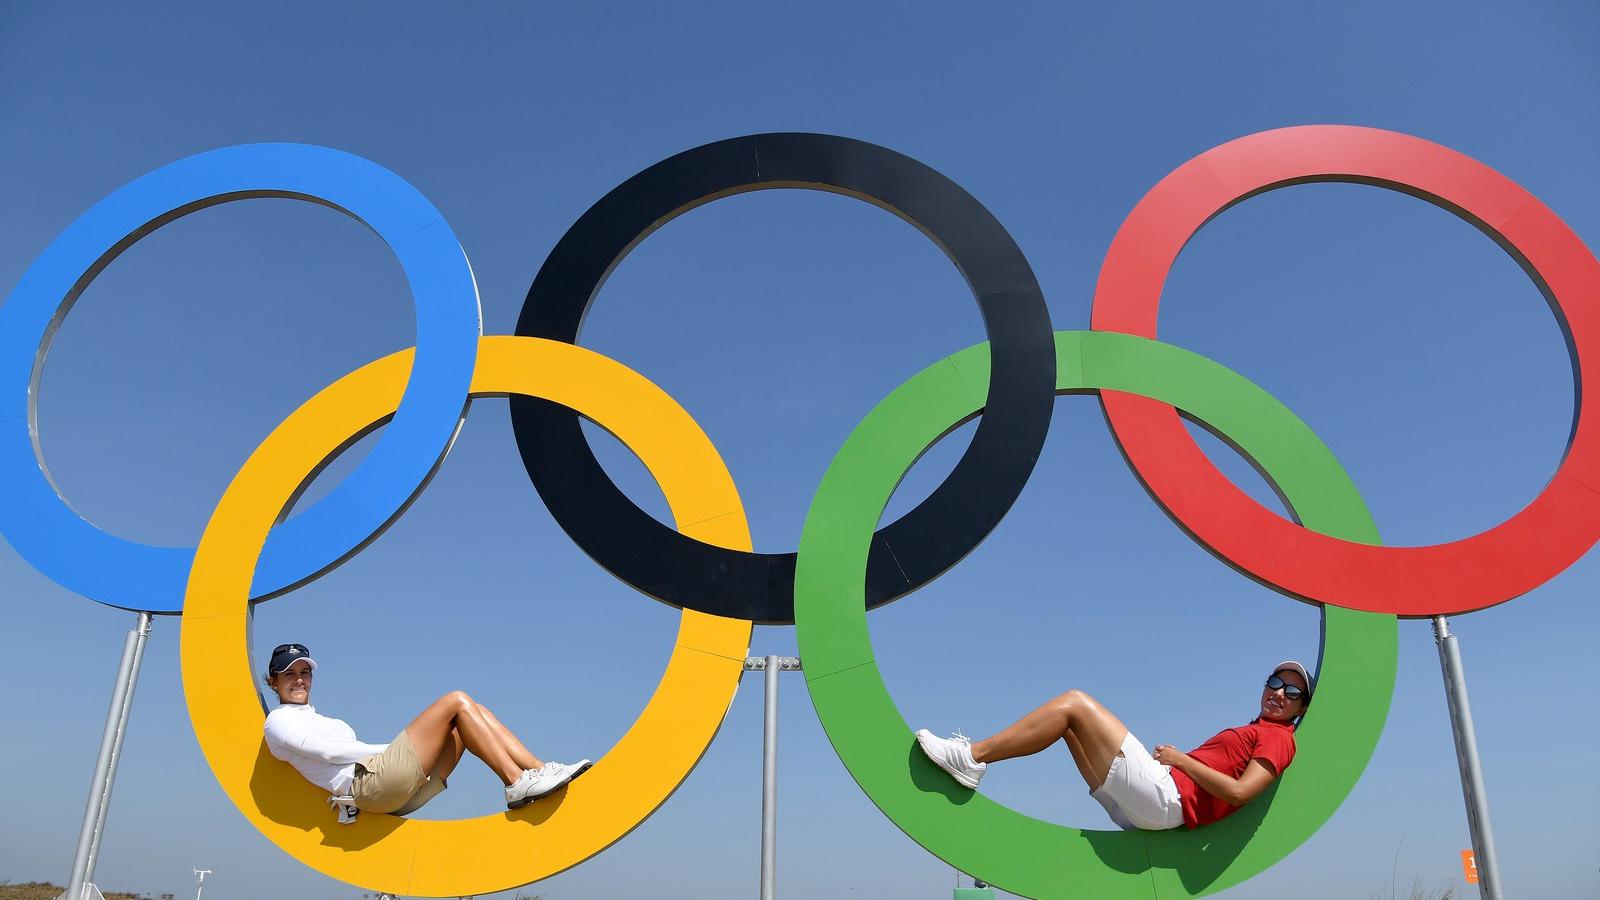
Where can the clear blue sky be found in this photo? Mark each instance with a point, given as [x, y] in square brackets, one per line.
[1416, 348]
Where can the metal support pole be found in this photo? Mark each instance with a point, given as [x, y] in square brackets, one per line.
[142, 632]
[769, 785]
[771, 665]
[1455, 691]
[105, 767]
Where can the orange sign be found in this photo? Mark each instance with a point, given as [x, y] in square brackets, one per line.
[1469, 867]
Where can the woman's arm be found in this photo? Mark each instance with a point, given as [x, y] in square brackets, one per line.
[1233, 791]
[337, 751]
[294, 737]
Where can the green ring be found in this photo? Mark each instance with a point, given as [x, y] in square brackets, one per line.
[990, 841]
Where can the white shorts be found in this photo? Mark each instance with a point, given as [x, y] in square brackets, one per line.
[1139, 792]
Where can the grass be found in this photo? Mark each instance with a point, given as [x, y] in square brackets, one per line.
[43, 890]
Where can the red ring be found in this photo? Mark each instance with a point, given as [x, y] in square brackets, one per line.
[1491, 567]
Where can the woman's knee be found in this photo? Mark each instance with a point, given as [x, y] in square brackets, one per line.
[1074, 699]
[458, 702]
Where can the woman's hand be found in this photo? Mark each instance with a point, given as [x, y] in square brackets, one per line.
[1234, 791]
[1168, 755]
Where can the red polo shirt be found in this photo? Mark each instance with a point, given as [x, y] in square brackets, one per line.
[1229, 752]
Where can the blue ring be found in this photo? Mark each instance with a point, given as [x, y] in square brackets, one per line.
[37, 521]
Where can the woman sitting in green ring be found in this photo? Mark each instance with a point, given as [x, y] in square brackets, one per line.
[398, 777]
[1138, 789]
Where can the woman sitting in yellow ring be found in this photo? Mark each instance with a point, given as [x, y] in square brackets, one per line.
[399, 777]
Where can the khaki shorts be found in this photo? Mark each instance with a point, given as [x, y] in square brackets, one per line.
[393, 781]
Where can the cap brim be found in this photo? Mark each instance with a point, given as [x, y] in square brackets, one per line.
[1295, 666]
[293, 661]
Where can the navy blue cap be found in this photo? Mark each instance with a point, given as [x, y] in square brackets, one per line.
[286, 655]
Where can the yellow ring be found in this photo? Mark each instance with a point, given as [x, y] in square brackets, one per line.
[507, 849]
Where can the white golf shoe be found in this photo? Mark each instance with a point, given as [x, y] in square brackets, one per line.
[954, 755]
[535, 783]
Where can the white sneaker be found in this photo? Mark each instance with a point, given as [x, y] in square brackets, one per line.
[580, 767]
[520, 793]
[954, 755]
[535, 783]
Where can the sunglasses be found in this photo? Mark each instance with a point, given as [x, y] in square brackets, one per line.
[1291, 691]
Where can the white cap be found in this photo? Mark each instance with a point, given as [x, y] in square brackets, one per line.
[1295, 666]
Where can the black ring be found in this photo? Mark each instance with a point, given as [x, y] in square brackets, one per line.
[905, 554]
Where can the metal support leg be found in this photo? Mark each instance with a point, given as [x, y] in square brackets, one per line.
[80, 885]
[769, 785]
[140, 636]
[771, 665]
[1455, 690]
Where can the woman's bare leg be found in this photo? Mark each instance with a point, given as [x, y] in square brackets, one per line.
[434, 732]
[519, 754]
[448, 757]
[1091, 732]
[1081, 758]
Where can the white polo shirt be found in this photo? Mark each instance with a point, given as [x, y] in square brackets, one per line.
[324, 750]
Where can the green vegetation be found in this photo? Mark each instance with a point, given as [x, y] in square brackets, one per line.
[42, 890]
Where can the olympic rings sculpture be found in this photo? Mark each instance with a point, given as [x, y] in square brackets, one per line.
[1329, 555]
